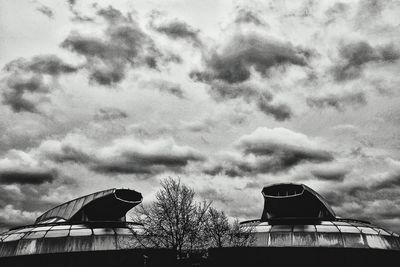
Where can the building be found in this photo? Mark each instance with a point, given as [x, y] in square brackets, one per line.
[298, 228]
[88, 231]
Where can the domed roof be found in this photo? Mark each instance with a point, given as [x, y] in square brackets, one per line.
[296, 216]
[89, 223]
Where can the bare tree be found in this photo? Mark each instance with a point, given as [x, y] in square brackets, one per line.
[218, 229]
[174, 220]
[221, 233]
[241, 236]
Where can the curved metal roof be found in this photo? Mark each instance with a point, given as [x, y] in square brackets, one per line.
[89, 223]
[111, 204]
[294, 215]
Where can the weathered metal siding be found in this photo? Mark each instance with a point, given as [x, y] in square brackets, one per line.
[304, 239]
[325, 234]
[104, 242]
[62, 238]
[67, 244]
[27, 247]
[329, 240]
[9, 249]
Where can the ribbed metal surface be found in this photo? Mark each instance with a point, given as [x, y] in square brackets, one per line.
[345, 234]
[107, 205]
[70, 208]
[56, 238]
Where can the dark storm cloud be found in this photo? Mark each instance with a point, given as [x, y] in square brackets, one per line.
[222, 91]
[391, 181]
[387, 210]
[228, 69]
[24, 85]
[25, 196]
[27, 189]
[106, 62]
[69, 153]
[171, 88]
[354, 56]
[366, 201]
[338, 101]
[179, 30]
[236, 167]
[127, 156]
[288, 156]
[124, 44]
[280, 112]
[164, 86]
[110, 114]
[232, 64]
[113, 15]
[45, 11]
[174, 90]
[42, 64]
[330, 174]
[139, 163]
[248, 16]
[282, 156]
[359, 193]
[263, 99]
[17, 92]
[50, 64]
[123, 156]
[371, 197]
[34, 177]
[269, 151]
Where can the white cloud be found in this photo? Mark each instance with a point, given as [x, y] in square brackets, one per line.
[304, 64]
[125, 155]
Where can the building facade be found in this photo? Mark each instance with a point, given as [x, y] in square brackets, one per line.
[90, 230]
[298, 228]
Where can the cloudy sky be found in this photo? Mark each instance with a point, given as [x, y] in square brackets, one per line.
[229, 96]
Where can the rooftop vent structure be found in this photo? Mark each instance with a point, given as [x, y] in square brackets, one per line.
[294, 201]
[87, 231]
[107, 205]
[298, 228]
